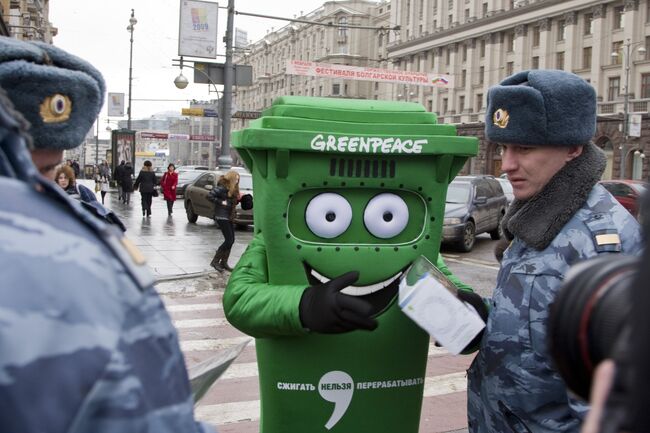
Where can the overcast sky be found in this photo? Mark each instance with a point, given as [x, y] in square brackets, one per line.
[96, 31]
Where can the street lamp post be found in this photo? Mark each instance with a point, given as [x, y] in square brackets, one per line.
[97, 144]
[181, 82]
[130, 28]
[626, 96]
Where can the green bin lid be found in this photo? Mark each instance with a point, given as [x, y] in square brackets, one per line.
[352, 126]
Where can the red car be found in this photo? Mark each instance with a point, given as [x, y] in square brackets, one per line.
[628, 192]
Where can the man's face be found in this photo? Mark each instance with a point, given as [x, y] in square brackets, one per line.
[46, 161]
[530, 168]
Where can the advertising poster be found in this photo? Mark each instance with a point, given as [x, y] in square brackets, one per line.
[116, 104]
[198, 29]
[123, 143]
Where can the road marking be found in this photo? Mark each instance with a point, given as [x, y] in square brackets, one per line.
[214, 344]
[445, 384]
[226, 413]
[199, 323]
[182, 308]
[240, 371]
[477, 263]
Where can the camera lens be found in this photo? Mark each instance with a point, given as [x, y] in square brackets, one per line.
[588, 315]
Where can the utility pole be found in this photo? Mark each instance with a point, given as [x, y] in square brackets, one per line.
[97, 144]
[225, 160]
[130, 28]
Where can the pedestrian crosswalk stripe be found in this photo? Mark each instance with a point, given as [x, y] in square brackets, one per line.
[182, 308]
[226, 413]
[222, 343]
[445, 384]
[199, 323]
[214, 343]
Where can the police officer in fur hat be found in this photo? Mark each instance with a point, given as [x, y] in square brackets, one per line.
[60, 95]
[85, 342]
[544, 121]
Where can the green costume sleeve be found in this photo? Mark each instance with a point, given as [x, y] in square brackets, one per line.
[440, 264]
[256, 307]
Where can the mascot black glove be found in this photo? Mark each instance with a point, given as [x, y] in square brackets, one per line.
[323, 308]
[246, 202]
[477, 302]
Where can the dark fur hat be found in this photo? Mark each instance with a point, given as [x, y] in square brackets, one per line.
[58, 93]
[541, 108]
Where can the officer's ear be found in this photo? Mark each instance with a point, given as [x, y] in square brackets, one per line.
[574, 152]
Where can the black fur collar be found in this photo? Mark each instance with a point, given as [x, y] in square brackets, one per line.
[538, 220]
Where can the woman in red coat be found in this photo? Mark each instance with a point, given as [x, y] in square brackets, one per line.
[168, 183]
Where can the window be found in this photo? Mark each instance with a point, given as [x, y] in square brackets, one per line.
[510, 41]
[645, 85]
[408, 11]
[421, 8]
[479, 101]
[534, 62]
[466, 15]
[617, 47]
[586, 57]
[447, 56]
[510, 68]
[589, 24]
[619, 13]
[345, 89]
[380, 40]
[561, 30]
[463, 77]
[445, 105]
[450, 4]
[336, 89]
[450, 20]
[559, 60]
[481, 74]
[464, 53]
[536, 36]
[613, 88]
[433, 60]
[343, 31]
[461, 104]
[482, 48]
[485, 9]
[376, 85]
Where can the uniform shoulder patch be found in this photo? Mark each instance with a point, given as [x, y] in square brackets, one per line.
[605, 235]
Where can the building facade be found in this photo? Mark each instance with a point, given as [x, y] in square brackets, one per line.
[480, 42]
[324, 43]
[28, 19]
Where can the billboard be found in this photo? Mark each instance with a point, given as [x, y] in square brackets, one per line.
[197, 30]
[116, 104]
[313, 69]
[123, 146]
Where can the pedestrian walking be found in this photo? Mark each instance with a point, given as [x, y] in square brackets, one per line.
[168, 184]
[117, 175]
[225, 197]
[103, 187]
[544, 121]
[87, 345]
[146, 184]
[127, 182]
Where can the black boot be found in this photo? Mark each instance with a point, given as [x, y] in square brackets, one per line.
[216, 261]
[224, 261]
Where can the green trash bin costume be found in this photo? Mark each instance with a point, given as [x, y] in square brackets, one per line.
[339, 186]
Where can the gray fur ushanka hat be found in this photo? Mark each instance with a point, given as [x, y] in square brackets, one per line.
[58, 93]
[541, 108]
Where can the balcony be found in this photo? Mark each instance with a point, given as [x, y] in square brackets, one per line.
[616, 107]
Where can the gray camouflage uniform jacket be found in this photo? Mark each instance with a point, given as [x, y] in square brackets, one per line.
[513, 385]
[86, 345]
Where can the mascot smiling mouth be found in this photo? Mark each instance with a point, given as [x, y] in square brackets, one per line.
[379, 294]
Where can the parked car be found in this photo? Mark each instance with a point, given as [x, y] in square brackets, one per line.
[197, 203]
[506, 186]
[628, 193]
[474, 205]
[184, 179]
[192, 167]
[159, 171]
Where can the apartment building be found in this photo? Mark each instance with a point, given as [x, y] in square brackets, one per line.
[480, 42]
[28, 19]
[323, 42]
